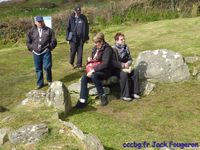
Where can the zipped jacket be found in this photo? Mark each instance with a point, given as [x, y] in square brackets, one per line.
[71, 27]
[48, 39]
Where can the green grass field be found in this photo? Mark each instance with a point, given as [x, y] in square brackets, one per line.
[169, 113]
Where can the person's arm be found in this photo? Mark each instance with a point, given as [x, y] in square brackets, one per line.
[29, 40]
[130, 60]
[53, 42]
[115, 59]
[106, 60]
[68, 27]
[86, 29]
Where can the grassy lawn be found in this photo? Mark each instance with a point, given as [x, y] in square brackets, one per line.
[169, 113]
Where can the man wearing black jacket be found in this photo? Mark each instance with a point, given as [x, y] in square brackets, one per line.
[77, 34]
[41, 41]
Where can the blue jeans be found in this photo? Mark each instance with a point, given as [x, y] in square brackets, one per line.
[96, 79]
[40, 61]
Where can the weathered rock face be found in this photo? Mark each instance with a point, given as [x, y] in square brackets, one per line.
[28, 134]
[4, 135]
[162, 66]
[35, 96]
[191, 59]
[146, 87]
[58, 96]
[90, 141]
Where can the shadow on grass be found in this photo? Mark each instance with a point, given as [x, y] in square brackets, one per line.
[75, 111]
[3, 109]
[109, 148]
[115, 90]
[72, 76]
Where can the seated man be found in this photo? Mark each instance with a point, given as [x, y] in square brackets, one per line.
[122, 62]
[101, 52]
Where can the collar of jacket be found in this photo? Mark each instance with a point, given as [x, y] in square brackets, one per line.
[104, 46]
[73, 16]
[43, 28]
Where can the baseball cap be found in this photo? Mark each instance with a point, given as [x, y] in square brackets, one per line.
[77, 8]
[39, 19]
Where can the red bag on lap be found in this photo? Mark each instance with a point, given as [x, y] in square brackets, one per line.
[91, 64]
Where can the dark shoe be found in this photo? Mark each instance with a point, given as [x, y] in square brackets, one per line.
[39, 87]
[80, 105]
[104, 100]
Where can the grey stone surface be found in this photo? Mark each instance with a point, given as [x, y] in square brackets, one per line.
[35, 96]
[4, 135]
[90, 142]
[75, 88]
[162, 66]
[191, 59]
[28, 134]
[198, 76]
[195, 71]
[58, 96]
[146, 87]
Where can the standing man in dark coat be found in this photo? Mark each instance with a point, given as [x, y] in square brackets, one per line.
[77, 34]
[41, 41]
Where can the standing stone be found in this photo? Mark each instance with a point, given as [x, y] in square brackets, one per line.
[162, 66]
[28, 134]
[58, 96]
[4, 135]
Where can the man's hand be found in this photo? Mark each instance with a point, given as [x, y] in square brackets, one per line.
[89, 74]
[89, 59]
[126, 65]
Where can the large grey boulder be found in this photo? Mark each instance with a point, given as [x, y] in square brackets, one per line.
[162, 66]
[28, 134]
[58, 96]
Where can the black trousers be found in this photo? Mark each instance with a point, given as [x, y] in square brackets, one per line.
[76, 47]
[129, 82]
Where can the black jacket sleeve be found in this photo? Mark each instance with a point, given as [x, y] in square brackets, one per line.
[106, 60]
[86, 28]
[29, 40]
[53, 42]
[115, 59]
[68, 28]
